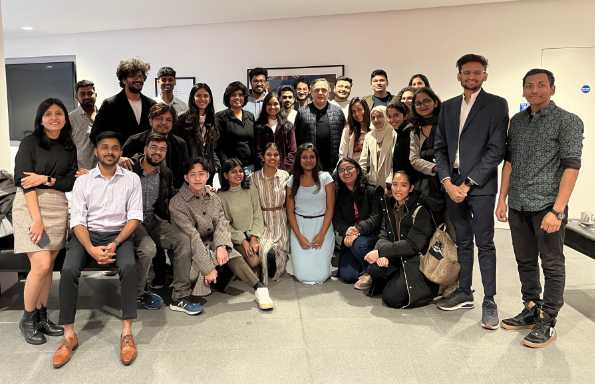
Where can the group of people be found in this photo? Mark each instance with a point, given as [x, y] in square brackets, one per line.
[282, 180]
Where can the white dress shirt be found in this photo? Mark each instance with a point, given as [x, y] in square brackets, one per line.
[179, 105]
[465, 109]
[105, 205]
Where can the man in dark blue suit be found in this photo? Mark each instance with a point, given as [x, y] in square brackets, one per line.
[469, 144]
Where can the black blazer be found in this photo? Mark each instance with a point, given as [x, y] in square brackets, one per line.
[116, 114]
[176, 157]
[482, 141]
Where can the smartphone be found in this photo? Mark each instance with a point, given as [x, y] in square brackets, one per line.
[44, 241]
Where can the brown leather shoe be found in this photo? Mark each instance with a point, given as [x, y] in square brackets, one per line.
[64, 351]
[127, 349]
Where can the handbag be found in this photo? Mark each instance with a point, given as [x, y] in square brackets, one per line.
[440, 264]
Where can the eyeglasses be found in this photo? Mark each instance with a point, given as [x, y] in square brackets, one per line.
[346, 170]
[424, 103]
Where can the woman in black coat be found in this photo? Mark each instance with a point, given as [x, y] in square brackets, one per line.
[197, 127]
[406, 229]
[356, 221]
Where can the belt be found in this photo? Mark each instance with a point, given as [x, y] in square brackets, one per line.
[272, 209]
[309, 217]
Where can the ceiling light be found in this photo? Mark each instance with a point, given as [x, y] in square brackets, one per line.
[27, 28]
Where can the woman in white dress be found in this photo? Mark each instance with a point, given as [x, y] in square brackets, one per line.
[310, 206]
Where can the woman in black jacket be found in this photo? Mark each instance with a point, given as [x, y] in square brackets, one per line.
[197, 127]
[236, 127]
[356, 221]
[271, 127]
[405, 233]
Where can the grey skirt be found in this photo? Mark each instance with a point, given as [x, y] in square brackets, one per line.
[54, 214]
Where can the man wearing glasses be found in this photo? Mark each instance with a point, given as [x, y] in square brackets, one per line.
[470, 143]
[258, 90]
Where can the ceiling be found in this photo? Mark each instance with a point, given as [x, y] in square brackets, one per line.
[68, 16]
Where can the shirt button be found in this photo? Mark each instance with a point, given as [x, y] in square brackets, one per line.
[204, 212]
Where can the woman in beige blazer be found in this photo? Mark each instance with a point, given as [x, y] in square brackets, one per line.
[376, 158]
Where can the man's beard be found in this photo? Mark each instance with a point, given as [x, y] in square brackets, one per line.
[152, 162]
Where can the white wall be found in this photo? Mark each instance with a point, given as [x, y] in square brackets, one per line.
[510, 35]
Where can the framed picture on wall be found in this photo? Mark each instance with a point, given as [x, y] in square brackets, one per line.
[182, 88]
[279, 76]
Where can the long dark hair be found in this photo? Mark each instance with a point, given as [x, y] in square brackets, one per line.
[263, 118]
[227, 166]
[360, 182]
[416, 118]
[356, 126]
[212, 133]
[298, 171]
[65, 137]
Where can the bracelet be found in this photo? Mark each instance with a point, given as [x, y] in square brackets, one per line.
[115, 241]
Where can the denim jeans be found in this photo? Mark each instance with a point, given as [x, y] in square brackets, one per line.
[351, 260]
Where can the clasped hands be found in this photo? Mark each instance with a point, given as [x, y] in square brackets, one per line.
[315, 243]
[373, 257]
[457, 193]
[103, 254]
[351, 235]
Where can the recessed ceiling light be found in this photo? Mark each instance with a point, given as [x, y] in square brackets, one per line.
[27, 28]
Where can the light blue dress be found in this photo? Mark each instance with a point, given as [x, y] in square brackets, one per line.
[312, 266]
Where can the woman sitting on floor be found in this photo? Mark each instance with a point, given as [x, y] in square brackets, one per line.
[406, 230]
[242, 210]
[310, 204]
[356, 221]
[198, 212]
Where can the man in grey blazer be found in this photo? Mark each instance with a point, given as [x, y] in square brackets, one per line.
[469, 144]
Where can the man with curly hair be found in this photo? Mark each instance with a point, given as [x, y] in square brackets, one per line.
[127, 112]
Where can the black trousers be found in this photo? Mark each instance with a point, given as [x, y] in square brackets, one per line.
[390, 282]
[530, 242]
[474, 219]
[77, 258]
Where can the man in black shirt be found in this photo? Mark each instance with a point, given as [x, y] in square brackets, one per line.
[128, 111]
[161, 120]
[321, 123]
[380, 96]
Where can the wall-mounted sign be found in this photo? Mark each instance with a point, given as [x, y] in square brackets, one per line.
[586, 88]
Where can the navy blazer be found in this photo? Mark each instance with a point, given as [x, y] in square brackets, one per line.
[482, 141]
[116, 114]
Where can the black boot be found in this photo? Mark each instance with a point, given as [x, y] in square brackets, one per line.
[524, 320]
[543, 333]
[46, 326]
[28, 328]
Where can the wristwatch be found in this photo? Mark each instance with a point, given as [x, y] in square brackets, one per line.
[468, 182]
[559, 215]
[48, 182]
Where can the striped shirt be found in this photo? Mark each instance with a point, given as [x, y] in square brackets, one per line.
[105, 205]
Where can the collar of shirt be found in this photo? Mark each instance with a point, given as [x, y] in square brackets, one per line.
[253, 99]
[317, 111]
[472, 98]
[95, 172]
[79, 110]
[542, 112]
[188, 195]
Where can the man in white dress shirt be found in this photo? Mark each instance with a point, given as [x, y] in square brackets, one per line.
[106, 209]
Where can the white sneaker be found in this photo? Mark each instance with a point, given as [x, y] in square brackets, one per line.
[263, 300]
